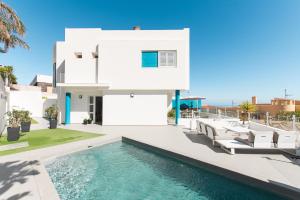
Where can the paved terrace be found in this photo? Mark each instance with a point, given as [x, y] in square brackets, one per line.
[23, 176]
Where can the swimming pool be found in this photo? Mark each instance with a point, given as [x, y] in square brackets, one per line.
[122, 171]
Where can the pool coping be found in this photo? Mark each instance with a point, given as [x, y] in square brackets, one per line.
[281, 190]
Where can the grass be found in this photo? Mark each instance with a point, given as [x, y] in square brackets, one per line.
[33, 121]
[45, 138]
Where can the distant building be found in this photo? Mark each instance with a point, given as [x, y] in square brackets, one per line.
[277, 105]
[44, 81]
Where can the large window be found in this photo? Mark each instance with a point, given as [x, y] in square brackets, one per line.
[159, 58]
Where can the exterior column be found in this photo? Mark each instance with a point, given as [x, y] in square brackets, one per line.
[177, 106]
[68, 108]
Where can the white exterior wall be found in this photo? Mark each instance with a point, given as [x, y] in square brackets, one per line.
[27, 100]
[3, 105]
[34, 101]
[79, 108]
[121, 52]
[137, 110]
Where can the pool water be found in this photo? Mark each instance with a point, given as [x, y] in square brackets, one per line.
[124, 172]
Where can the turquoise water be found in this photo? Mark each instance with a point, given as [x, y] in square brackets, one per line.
[124, 172]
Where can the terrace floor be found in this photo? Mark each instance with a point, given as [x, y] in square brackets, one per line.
[23, 176]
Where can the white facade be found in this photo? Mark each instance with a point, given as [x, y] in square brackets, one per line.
[108, 64]
[3, 105]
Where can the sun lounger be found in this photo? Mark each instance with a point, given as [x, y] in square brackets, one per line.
[203, 128]
[259, 139]
[230, 145]
[198, 127]
[285, 139]
[216, 133]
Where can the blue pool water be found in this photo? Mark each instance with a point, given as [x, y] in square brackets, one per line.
[124, 172]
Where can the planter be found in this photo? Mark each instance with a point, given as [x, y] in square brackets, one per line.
[53, 123]
[13, 133]
[25, 126]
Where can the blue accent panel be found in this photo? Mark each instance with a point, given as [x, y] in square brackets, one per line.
[150, 59]
[68, 108]
[177, 109]
[188, 103]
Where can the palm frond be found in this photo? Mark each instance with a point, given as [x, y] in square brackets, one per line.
[15, 41]
[9, 15]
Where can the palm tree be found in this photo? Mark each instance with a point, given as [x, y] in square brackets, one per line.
[11, 27]
[246, 108]
[8, 72]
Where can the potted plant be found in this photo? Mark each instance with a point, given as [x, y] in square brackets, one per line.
[25, 120]
[13, 129]
[246, 108]
[51, 114]
[85, 121]
[89, 121]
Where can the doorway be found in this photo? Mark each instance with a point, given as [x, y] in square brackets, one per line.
[99, 110]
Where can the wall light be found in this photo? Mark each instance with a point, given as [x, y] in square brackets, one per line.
[80, 96]
[131, 95]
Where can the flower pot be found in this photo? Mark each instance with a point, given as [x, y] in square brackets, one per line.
[25, 126]
[13, 133]
[53, 123]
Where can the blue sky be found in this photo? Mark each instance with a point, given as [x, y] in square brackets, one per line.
[238, 48]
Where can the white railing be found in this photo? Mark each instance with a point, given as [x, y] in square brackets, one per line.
[286, 123]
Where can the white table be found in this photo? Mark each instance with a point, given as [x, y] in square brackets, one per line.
[230, 145]
[238, 129]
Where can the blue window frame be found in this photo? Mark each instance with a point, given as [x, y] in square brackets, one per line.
[149, 59]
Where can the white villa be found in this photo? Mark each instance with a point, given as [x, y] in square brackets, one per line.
[120, 77]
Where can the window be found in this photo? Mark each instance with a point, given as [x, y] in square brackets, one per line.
[167, 58]
[54, 75]
[149, 58]
[78, 55]
[91, 107]
[159, 58]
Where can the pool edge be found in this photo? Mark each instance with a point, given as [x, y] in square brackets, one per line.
[282, 191]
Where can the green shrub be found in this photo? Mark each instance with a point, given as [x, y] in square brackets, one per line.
[52, 112]
[171, 113]
[25, 116]
[14, 118]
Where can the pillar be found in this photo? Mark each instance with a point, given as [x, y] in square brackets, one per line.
[177, 106]
[68, 108]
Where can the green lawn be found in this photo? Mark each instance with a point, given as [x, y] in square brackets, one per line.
[45, 138]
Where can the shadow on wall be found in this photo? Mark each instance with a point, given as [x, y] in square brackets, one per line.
[16, 172]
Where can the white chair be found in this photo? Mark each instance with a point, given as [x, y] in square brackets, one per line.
[285, 139]
[203, 128]
[198, 127]
[260, 139]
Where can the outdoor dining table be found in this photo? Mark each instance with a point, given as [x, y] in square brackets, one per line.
[238, 129]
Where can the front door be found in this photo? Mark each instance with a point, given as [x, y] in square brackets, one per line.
[98, 113]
